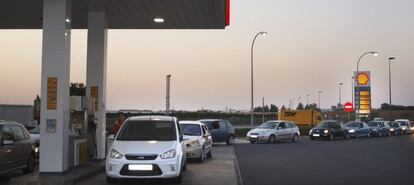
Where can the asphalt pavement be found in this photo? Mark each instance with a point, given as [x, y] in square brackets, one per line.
[365, 161]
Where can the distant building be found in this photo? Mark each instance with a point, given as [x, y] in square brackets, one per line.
[18, 113]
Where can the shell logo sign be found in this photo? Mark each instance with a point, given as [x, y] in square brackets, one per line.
[362, 78]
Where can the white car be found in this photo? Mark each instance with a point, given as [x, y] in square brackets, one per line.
[147, 147]
[272, 131]
[405, 125]
[198, 140]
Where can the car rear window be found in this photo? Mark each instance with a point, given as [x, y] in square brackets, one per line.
[148, 131]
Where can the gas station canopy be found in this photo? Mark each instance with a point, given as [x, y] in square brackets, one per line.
[123, 14]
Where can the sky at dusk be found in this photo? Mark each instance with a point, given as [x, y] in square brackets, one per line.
[312, 45]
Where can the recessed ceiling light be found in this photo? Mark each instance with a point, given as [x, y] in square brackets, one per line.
[158, 20]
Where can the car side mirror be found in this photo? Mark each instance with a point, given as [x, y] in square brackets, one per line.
[8, 141]
[111, 137]
[181, 138]
[279, 128]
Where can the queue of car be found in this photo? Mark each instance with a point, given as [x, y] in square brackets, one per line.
[162, 146]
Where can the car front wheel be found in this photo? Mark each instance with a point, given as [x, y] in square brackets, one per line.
[230, 140]
[331, 137]
[295, 138]
[110, 180]
[30, 164]
[346, 137]
[272, 139]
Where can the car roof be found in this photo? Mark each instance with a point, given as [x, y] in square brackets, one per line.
[211, 120]
[2, 122]
[330, 121]
[402, 120]
[191, 122]
[151, 118]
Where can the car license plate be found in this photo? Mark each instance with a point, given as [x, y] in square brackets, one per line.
[253, 136]
[315, 135]
[140, 167]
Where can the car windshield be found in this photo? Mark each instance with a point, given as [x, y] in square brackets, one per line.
[403, 123]
[323, 125]
[191, 129]
[394, 125]
[374, 123]
[35, 130]
[267, 125]
[148, 131]
[352, 124]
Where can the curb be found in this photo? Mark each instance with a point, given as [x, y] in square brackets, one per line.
[237, 169]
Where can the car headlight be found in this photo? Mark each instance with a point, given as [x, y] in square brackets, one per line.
[325, 131]
[310, 131]
[194, 143]
[352, 131]
[115, 154]
[37, 149]
[403, 128]
[169, 154]
[392, 129]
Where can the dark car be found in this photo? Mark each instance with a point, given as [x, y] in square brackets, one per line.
[358, 129]
[16, 148]
[329, 130]
[396, 129]
[220, 130]
[378, 128]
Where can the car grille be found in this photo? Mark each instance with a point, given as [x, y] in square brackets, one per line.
[155, 171]
[140, 157]
[254, 134]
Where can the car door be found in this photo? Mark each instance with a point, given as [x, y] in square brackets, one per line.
[336, 128]
[7, 152]
[281, 131]
[20, 145]
[207, 138]
[223, 130]
[288, 130]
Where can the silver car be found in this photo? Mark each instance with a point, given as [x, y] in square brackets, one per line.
[198, 140]
[405, 125]
[272, 131]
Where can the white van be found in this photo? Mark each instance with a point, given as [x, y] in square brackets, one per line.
[147, 147]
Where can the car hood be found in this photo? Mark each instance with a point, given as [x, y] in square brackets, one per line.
[352, 128]
[259, 130]
[143, 147]
[36, 138]
[189, 139]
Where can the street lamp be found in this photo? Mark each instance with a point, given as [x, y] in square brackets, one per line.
[352, 89]
[373, 53]
[340, 88]
[251, 76]
[389, 79]
[319, 99]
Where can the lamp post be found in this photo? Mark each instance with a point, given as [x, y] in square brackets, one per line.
[389, 81]
[167, 97]
[251, 76]
[356, 77]
[319, 99]
[352, 90]
[340, 89]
